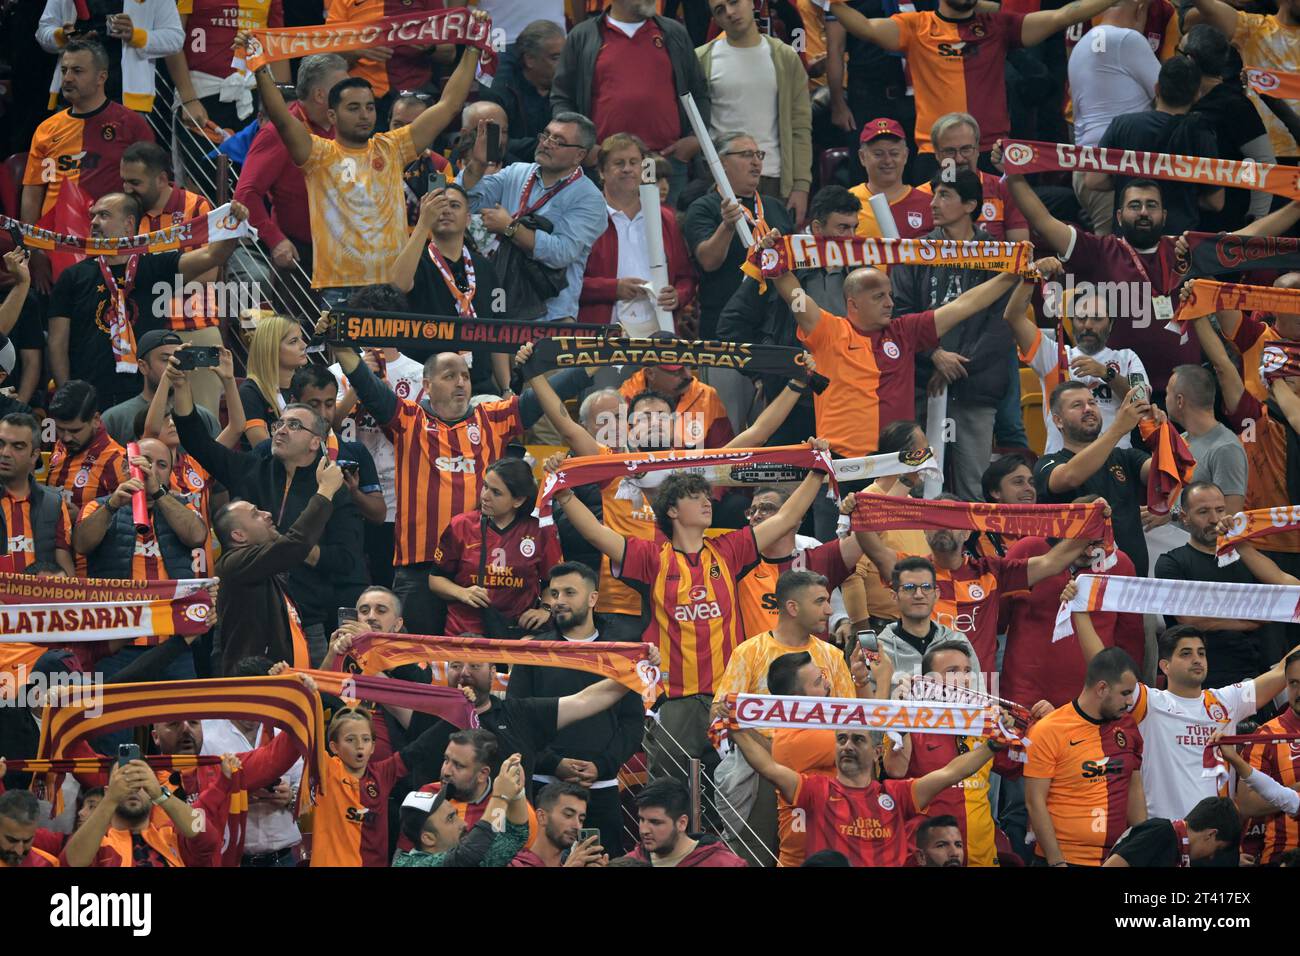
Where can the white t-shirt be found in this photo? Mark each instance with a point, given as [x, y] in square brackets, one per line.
[405, 376]
[743, 94]
[1044, 361]
[1112, 72]
[1175, 731]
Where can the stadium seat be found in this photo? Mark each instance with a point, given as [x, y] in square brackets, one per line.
[1031, 409]
[829, 162]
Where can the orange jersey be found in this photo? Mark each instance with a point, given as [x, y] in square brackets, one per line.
[969, 597]
[1266, 455]
[84, 148]
[21, 545]
[758, 611]
[439, 469]
[200, 310]
[959, 67]
[1091, 764]
[88, 474]
[350, 824]
[806, 752]
[912, 214]
[702, 420]
[693, 602]
[1281, 761]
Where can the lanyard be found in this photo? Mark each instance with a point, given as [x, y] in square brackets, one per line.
[464, 300]
[525, 208]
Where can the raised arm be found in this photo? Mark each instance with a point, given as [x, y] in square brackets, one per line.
[1090, 644]
[1231, 386]
[588, 702]
[777, 411]
[806, 312]
[1220, 15]
[195, 263]
[1056, 233]
[1287, 401]
[438, 117]
[1275, 223]
[757, 756]
[973, 301]
[1060, 558]
[296, 136]
[605, 540]
[1073, 473]
[83, 845]
[235, 421]
[1016, 315]
[792, 512]
[407, 262]
[958, 769]
[1262, 796]
[16, 264]
[578, 439]
[1037, 27]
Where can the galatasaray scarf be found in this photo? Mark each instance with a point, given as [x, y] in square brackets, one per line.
[444, 333]
[1279, 360]
[1218, 254]
[568, 351]
[281, 701]
[1208, 297]
[1027, 156]
[1249, 525]
[886, 513]
[191, 234]
[73, 610]
[812, 252]
[1172, 464]
[1284, 86]
[770, 712]
[624, 662]
[445, 702]
[1213, 764]
[920, 462]
[929, 689]
[598, 469]
[1125, 595]
[455, 26]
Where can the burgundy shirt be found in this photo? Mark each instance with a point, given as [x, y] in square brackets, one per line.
[633, 89]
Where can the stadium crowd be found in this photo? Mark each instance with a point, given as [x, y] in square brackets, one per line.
[204, 411]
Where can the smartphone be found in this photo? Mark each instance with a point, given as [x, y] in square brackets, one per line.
[126, 753]
[493, 142]
[16, 235]
[868, 642]
[198, 356]
[348, 467]
[437, 181]
[348, 614]
[586, 833]
[1138, 385]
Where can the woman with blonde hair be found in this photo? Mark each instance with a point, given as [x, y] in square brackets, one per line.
[277, 350]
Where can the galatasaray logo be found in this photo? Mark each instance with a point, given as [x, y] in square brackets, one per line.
[1217, 713]
[769, 260]
[914, 219]
[372, 790]
[377, 164]
[473, 434]
[886, 801]
[698, 593]
[1117, 472]
[1239, 522]
[1120, 739]
[83, 476]
[198, 613]
[918, 457]
[403, 389]
[1263, 81]
[990, 212]
[648, 673]
[976, 592]
[527, 547]
[1271, 359]
[891, 349]
[109, 133]
[1017, 154]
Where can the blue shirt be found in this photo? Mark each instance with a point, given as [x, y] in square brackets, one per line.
[578, 212]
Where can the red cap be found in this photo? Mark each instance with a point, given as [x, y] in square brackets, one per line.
[884, 126]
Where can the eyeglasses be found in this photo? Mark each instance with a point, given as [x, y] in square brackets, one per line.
[959, 151]
[290, 423]
[422, 97]
[764, 509]
[915, 588]
[748, 154]
[546, 137]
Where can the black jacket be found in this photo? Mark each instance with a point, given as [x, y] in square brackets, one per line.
[607, 739]
[260, 478]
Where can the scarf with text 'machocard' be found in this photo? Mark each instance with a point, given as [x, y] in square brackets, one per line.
[886, 513]
[455, 26]
[191, 234]
[1205, 297]
[1172, 464]
[281, 701]
[74, 610]
[626, 662]
[445, 702]
[1249, 525]
[711, 463]
[1174, 598]
[569, 351]
[813, 252]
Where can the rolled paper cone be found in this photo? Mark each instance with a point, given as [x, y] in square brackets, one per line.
[936, 414]
[139, 503]
[715, 164]
[654, 246]
[884, 216]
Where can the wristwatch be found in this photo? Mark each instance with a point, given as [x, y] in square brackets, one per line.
[164, 795]
[1111, 372]
[161, 492]
[511, 230]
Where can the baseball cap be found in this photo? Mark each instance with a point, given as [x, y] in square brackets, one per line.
[154, 338]
[884, 126]
[8, 355]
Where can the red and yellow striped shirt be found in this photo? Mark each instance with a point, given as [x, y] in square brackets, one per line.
[83, 148]
[21, 546]
[694, 604]
[1091, 764]
[88, 474]
[439, 469]
[1281, 761]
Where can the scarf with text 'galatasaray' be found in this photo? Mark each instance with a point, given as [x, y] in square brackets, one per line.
[1028, 156]
[73, 610]
[771, 712]
[1172, 464]
[54, 771]
[281, 701]
[813, 252]
[598, 469]
[625, 662]
[886, 513]
[455, 26]
[191, 234]
[1249, 525]
[1216, 254]
[445, 702]
[1173, 598]
[570, 351]
[444, 333]
[1207, 297]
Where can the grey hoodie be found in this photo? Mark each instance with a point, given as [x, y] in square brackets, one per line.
[908, 661]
